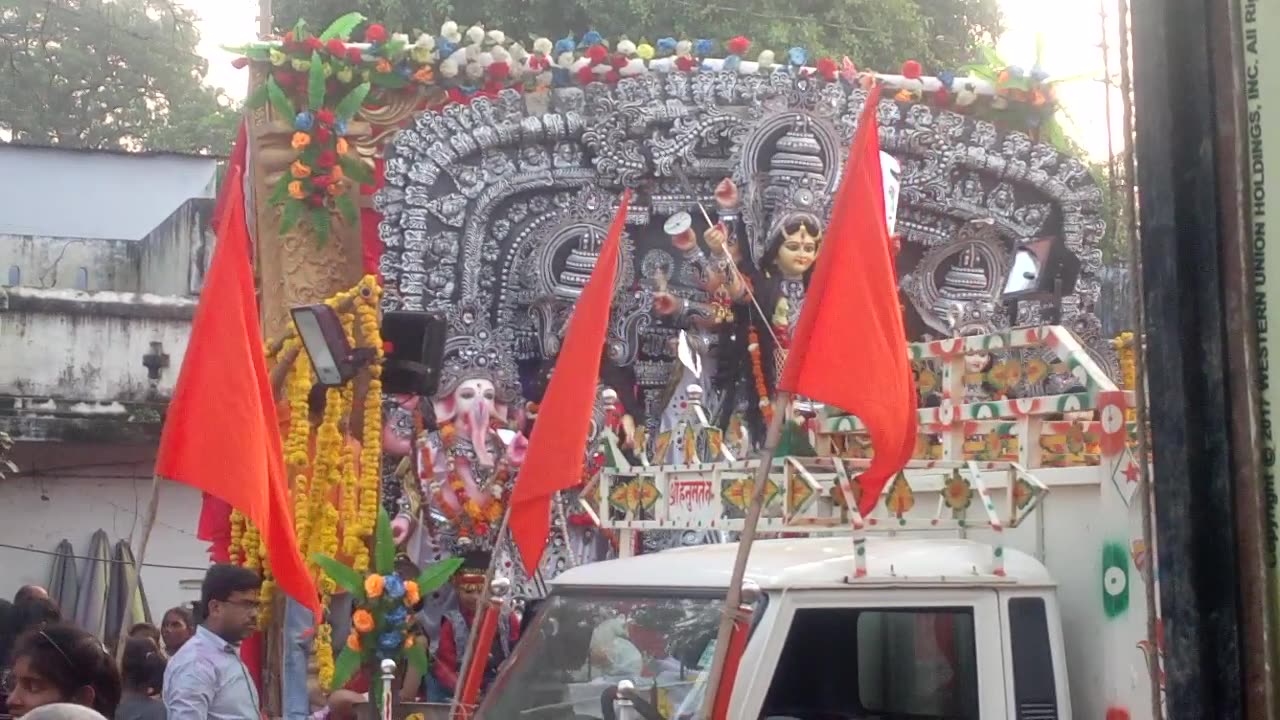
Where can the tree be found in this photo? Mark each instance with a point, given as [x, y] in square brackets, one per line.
[108, 74]
[878, 34]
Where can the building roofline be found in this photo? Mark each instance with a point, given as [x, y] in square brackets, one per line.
[110, 151]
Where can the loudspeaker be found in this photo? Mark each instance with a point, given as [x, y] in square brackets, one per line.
[414, 343]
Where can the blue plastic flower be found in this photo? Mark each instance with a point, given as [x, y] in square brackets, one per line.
[398, 615]
[1015, 71]
[797, 56]
[340, 127]
[446, 47]
[731, 63]
[702, 47]
[304, 121]
[592, 38]
[560, 77]
[666, 45]
[1038, 74]
[404, 71]
[946, 77]
[564, 45]
[390, 640]
[393, 586]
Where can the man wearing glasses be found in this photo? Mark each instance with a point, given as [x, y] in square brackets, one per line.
[206, 680]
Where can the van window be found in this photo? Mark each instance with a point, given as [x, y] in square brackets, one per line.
[893, 662]
[1035, 695]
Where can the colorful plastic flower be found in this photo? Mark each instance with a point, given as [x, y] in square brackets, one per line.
[703, 47]
[342, 146]
[644, 51]
[390, 640]
[278, 57]
[304, 121]
[596, 54]
[336, 173]
[592, 38]
[397, 615]
[447, 47]
[827, 68]
[322, 134]
[362, 620]
[394, 586]
[336, 47]
[766, 59]
[420, 54]
[911, 70]
[354, 55]
[300, 140]
[739, 45]
[408, 641]
[411, 593]
[375, 33]
[300, 64]
[335, 188]
[299, 170]
[424, 75]
[383, 66]
[296, 191]
[373, 586]
[797, 56]
[946, 77]
[313, 43]
[565, 45]
[340, 127]
[353, 641]
[667, 45]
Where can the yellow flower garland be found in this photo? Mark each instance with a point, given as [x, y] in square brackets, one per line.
[1126, 351]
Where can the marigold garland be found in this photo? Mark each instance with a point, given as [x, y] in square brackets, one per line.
[757, 372]
[1126, 351]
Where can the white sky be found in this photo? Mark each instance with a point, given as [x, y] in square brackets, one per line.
[1072, 33]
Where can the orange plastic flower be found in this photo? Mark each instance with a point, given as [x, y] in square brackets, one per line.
[373, 585]
[424, 75]
[408, 640]
[362, 620]
[300, 140]
[336, 189]
[384, 65]
[342, 146]
[353, 641]
[295, 190]
[299, 170]
[336, 173]
[411, 593]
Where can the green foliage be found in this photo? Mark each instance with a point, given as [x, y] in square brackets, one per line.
[437, 575]
[120, 74]
[877, 34]
[347, 578]
[384, 545]
[345, 666]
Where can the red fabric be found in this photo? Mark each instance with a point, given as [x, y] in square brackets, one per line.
[559, 442]
[849, 348]
[214, 525]
[220, 435]
[444, 665]
[370, 241]
[251, 655]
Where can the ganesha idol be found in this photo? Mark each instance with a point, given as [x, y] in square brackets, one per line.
[466, 466]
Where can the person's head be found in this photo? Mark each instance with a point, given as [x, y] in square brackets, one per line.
[342, 704]
[142, 667]
[176, 628]
[145, 631]
[64, 711]
[468, 581]
[33, 612]
[230, 596]
[62, 664]
[30, 592]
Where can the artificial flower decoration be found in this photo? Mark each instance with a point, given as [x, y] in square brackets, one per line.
[738, 46]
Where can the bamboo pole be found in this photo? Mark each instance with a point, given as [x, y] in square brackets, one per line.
[733, 598]
[467, 657]
[136, 579]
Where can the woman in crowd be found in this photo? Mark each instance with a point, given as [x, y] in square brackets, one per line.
[142, 670]
[29, 611]
[62, 664]
[176, 629]
[146, 631]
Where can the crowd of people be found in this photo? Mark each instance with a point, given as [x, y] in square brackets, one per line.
[50, 668]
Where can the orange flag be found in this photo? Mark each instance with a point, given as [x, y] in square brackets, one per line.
[559, 441]
[849, 348]
[220, 434]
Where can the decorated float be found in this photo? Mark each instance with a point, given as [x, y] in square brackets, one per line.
[472, 177]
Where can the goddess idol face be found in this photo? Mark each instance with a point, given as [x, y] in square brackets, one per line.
[799, 248]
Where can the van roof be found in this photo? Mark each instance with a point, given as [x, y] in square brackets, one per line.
[816, 562]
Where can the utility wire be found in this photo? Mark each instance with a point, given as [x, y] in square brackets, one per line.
[113, 561]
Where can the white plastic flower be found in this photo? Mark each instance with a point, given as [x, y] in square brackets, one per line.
[684, 48]
[497, 37]
[402, 38]
[767, 59]
[543, 45]
[565, 60]
[485, 59]
[425, 41]
[580, 63]
[518, 52]
[499, 54]
[475, 34]
[626, 47]
[449, 68]
[634, 67]
[475, 71]
[449, 29]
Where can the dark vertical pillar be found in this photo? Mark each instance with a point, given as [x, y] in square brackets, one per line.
[1182, 248]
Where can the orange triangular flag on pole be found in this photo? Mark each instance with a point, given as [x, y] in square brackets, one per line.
[558, 444]
[220, 434]
[849, 348]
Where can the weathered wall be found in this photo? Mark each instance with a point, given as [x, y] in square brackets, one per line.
[71, 490]
[174, 256]
[80, 346]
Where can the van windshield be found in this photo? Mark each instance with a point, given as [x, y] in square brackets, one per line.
[583, 644]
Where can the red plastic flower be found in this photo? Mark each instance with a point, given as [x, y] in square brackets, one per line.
[240, 63]
[336, 47]
[327, 159]
[375, 33]
[585, 74]
[618, 61]
[322, 181]
[284, 79]
[354, 55]
[684, 63]
[911, 70]
[538, 63]
[288, 38]
[455, 95]
[827, 68]
[596, 54]
[942, 98]
[739, 45]
[313, 43]
[325, 116]
[322, 134]
[500, 71]
[612, 77]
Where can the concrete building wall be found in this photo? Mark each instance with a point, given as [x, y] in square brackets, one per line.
[71, 263]
[67, 490]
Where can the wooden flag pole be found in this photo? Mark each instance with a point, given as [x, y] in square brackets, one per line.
[469, 656]
[733, 598]
[136, 577]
